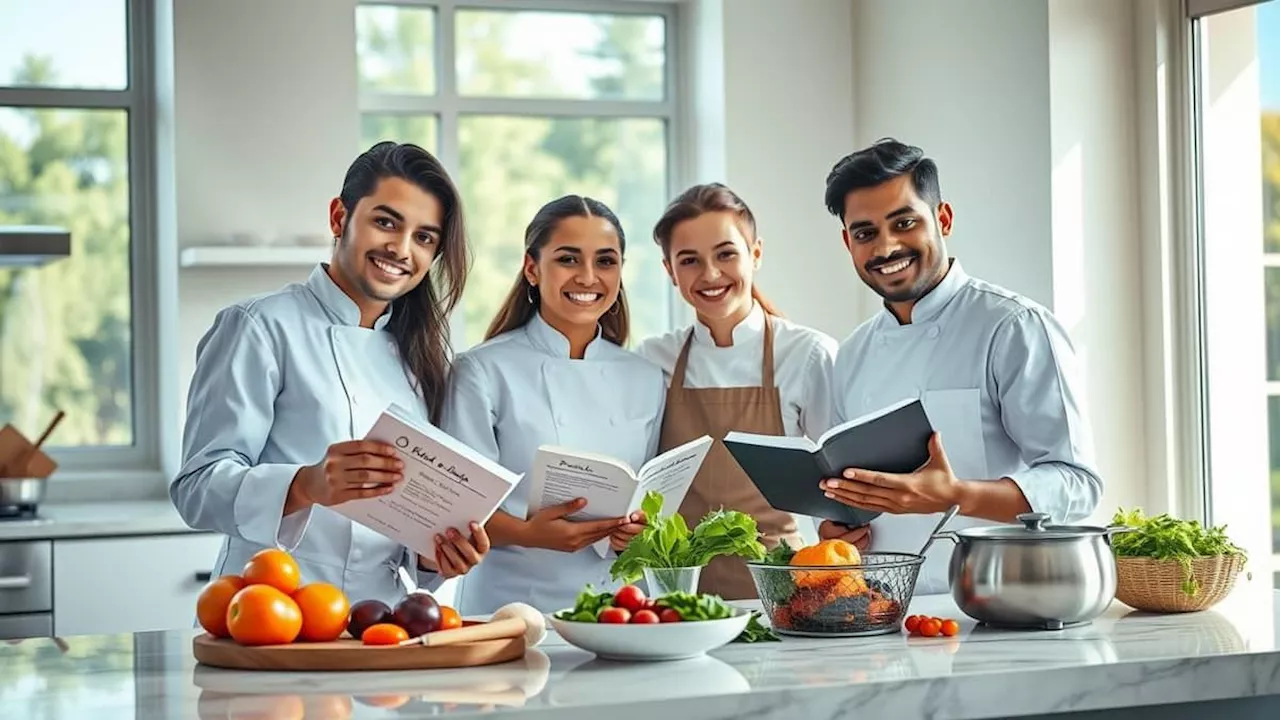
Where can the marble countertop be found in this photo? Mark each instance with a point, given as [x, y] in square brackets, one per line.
[99, 519]
[1123, 659]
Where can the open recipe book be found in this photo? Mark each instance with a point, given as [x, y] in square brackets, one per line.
[789, 470]
[446, 485]
[610, 487]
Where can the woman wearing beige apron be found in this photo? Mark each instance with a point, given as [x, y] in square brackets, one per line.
[739, 367]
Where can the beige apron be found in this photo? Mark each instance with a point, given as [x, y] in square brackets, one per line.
[691, 413]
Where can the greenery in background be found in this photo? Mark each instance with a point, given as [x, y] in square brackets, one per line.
[65, 327]
[1164, 537]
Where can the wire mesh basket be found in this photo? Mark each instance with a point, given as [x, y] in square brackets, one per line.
[838, 601]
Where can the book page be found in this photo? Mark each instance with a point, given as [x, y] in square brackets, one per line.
[446, 485]
[671, 473]
[560, 475]
[788, 442]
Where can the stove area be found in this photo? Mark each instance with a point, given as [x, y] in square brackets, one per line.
[23, 513]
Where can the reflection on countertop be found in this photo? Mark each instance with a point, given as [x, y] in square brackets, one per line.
[1126, 658]
[96, 519]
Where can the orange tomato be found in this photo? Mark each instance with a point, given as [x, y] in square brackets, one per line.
[449, 618]
[262, 615]
[273, 567]
[324, 612]
[930, 627]
[384, 634]
[912, 623]
[950, 628]
[211, 606]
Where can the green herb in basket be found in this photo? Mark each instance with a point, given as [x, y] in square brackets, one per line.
[1165, 537]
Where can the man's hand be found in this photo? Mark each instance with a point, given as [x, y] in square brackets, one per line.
[456, 555]
[549, 529]
[349, 470]
[859, 537]
[931, 489]
[623, 536]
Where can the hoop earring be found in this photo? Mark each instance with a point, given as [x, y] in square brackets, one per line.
[529, 294]
[614, 310]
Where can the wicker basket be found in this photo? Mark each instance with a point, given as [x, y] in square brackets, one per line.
[1154, 585]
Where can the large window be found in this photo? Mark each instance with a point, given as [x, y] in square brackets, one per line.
[525, 102]
[1235, 63]
[73, 123]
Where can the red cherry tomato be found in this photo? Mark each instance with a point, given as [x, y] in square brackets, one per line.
[614, 616]
[644, 617]
[930, 627]
[630, 597]
[912, 623]
[950, 628]
[670, 615]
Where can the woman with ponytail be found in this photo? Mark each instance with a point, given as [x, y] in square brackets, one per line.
[741, 366]
[553, 371]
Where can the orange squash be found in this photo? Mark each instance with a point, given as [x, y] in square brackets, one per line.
[829, 553]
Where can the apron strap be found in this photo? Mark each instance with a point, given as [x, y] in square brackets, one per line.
[677, 374]
[766, 372]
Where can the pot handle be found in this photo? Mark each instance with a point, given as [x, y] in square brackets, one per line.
[1117, 529]
[947, 535]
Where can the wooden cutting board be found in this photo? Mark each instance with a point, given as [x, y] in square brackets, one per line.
[349, 654]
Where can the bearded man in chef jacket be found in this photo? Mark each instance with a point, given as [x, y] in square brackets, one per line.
[995, 371]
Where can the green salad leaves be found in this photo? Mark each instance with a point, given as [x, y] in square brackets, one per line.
[1164, 537]
[667, 543]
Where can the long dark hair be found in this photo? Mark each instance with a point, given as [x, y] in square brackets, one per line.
[420, 318]
[700, 199]
[522, 302]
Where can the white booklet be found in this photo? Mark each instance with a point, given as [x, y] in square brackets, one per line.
[446, 485]
[610, 487]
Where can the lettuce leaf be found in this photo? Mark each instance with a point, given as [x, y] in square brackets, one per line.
[666, 541]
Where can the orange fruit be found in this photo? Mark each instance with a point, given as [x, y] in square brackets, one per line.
[273, 567]
[384, 634]
[262, 615]
[324, 612]
[449, 618]
[211, 606]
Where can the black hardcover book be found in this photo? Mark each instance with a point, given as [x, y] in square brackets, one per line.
[789, 470]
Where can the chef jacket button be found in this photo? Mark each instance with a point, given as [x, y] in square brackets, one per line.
[933, 332]
[866, 400]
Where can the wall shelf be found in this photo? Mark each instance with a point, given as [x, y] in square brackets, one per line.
[247, 256]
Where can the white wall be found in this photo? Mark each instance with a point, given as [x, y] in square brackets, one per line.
[265, 123]
[969, 83]
[788, 90]
[1096, 253]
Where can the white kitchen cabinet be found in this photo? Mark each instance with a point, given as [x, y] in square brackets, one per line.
[129, 584]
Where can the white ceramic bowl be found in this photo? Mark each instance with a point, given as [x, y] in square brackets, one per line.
[661, 641]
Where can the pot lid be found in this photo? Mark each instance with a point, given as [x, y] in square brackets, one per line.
[1033, 528]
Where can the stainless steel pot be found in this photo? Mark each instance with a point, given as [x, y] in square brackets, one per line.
[1032, 576]
[21, 491]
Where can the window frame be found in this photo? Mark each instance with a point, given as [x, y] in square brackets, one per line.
[138, 101]
[448, 106]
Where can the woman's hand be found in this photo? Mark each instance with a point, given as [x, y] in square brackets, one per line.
[349, 470]
[620, 538]
[549, 529]
[456, 555]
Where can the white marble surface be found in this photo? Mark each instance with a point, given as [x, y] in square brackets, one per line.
[1123, 659]
[97, 519]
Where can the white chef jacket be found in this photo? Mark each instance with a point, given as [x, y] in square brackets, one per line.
[520, 390]
[803, 363]
[803, 359]
[278, 379]
[999, 380]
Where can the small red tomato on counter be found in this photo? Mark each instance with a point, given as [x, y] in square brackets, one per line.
[644, 617]
[614, 616]
[670, 615]
[950, 628]
[930, 627]
[912, 623]
[631, 598]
